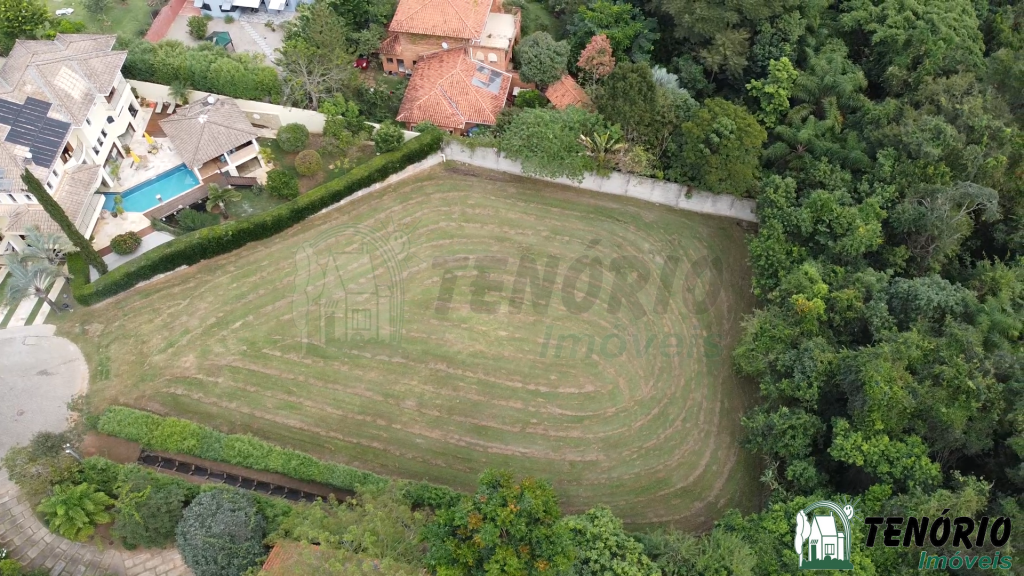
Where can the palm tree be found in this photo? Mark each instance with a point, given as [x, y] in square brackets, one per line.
[605, 149]
[29, 280]
[179, 91]
[218, 196]
[51, 248]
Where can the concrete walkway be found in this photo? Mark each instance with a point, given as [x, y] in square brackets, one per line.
[149, 242]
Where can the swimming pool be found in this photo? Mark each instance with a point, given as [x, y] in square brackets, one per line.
[168, 185]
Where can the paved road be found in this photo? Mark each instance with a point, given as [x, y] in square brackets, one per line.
[39, 374]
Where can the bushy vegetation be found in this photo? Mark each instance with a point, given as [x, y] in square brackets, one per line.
[148, 508]
[196, 246]
[41, 464]
[125, 243]
[308, 162]
[282, 184]
[197, 26]
[191, 220]
[221, 533]
[388, 137]
[292, 137]
[206, 68]
[183, 437]
[74, 511]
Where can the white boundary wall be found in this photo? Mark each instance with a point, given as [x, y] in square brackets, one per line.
[312, 120]
[620, 184]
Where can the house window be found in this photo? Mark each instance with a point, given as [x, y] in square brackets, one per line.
[88, 122]
[830, 549]
[110, 119]
[360, 319]
[132, 110]
[391, 60]
[54, 172]
[480, 55]
[49, 186]
[492, 57]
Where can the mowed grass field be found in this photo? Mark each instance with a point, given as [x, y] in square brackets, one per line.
[380, 334]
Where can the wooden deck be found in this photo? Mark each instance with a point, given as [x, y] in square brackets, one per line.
[153, 127]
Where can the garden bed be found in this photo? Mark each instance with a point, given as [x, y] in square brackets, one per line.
[335, 165]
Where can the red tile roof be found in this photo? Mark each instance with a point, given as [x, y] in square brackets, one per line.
[566, 92]
[451, 18]
[442, 90]
[391, 45]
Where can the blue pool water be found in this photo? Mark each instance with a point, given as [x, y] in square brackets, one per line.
[168, 185]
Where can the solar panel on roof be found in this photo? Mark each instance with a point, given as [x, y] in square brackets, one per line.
[487, 79]
[30, 127]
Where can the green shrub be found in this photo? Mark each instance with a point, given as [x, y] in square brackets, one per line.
[191, 220]
[49, 444]
[101, 473]
[292, 137]
[282, 184]
[308, 162]
[229, 19]
[251, 452]
[203, 244]
[125, 243]
[35, 475]
[10, 567]
[530, 99]
[426, 126]
[79, 271]
[149, 508]
[197, 26]
[388, 137]
[74, 511]
[221, 533]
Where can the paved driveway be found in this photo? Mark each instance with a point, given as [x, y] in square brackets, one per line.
[39, 374]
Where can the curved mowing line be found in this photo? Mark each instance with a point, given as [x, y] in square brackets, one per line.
[655, 436]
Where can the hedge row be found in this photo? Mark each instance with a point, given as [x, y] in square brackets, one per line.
[184, 437]
[207, 243]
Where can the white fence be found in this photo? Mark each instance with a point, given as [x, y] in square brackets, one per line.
[621, 184]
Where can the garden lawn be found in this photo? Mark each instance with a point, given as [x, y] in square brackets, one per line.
[251, 203]
[331, 338]
[127, 17]
[341, 163]
[536, 18]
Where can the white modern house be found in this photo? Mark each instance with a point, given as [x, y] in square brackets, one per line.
[66, 113]
[237, 7]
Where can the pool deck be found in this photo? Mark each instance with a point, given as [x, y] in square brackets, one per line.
[107, 227]
[149, 242]
[152, 165]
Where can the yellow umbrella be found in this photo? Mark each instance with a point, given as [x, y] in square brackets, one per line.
[148, 138]
[135, 157]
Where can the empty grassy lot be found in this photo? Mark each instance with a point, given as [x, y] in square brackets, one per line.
[448, 379]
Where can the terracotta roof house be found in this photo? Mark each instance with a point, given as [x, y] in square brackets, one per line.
[424, 26]
[454, 92]
[212, 135]
[566, 92]
[65, 113]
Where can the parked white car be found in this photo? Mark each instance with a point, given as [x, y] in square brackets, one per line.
[65, 12]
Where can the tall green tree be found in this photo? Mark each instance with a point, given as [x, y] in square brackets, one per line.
[604, 549]
[547, 141]
[22, 18]
[645, 111]
[315, 58]
[719, 149]
[541, 59]
[509, 527]
[630, 32]
[55, 212]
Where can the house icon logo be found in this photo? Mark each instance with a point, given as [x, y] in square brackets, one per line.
[349, 287]
[822, 536]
